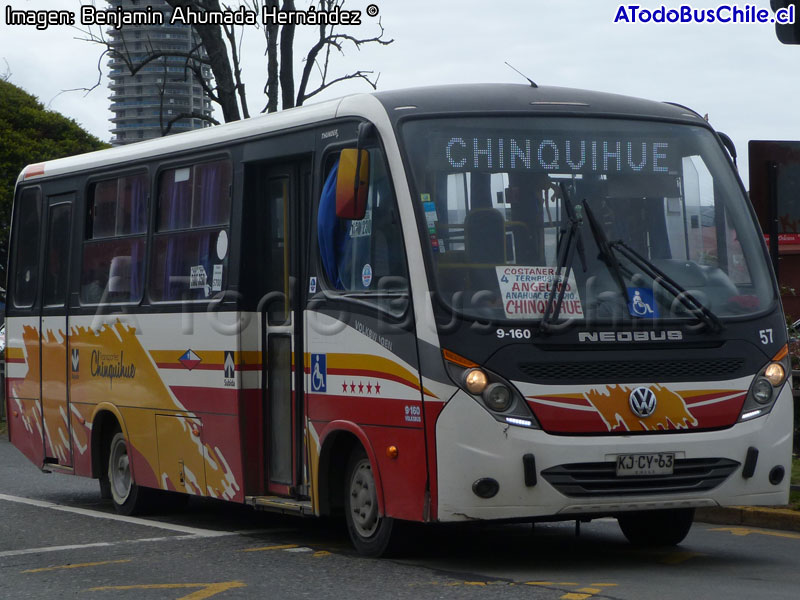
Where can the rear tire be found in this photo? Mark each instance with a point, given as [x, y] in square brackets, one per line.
[370, 532]
[656, 527]
[128, 498]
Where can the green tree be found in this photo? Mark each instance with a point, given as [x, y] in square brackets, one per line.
[30, 134]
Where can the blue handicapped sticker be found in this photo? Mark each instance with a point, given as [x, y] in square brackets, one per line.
[642, 303]
[319, 373]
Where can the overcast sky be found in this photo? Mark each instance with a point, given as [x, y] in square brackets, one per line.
[740, 74]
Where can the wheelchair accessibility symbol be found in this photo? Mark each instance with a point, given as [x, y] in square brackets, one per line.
[319, 373]
[642, 303]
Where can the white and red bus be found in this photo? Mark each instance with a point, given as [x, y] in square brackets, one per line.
[478, 302]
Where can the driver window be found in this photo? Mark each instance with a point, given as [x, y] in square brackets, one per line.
[364, 256]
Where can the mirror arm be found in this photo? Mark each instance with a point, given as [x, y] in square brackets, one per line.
[366, 133]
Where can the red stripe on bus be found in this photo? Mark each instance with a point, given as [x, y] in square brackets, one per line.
[33, 170]
[206, 367]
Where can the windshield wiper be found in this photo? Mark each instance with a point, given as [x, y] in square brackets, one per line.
[606, 253]
[570, 241]
[695, 307]
[608, 256]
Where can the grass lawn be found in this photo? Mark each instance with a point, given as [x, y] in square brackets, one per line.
[794, 497]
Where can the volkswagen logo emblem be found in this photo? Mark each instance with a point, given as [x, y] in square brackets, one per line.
[643, 402]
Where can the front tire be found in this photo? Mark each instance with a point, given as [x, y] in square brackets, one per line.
[128, 498]
[370, 532]
[656, 527]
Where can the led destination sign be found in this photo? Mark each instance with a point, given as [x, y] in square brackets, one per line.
[556, 154]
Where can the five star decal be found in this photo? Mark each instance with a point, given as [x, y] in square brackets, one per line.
[361, 388]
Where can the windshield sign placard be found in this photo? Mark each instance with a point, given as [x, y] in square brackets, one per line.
[470, 151]
[525, 290]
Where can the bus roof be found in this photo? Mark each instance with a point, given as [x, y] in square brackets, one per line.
[494, 98]
[454, 99]
[188, 140]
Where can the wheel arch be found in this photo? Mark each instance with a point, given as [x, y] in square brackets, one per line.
[338, 439]
[106, 419]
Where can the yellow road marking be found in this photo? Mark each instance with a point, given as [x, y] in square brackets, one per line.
[78, 566]
[579, 594]
[321, 553]
[206, 590]
[281, 547]
[741, 531]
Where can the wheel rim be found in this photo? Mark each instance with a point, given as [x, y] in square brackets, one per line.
[119, 471]
[363, 500]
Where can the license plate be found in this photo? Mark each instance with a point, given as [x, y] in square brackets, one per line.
[660, 463]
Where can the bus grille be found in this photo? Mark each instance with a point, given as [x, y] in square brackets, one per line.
[630, 371]
[583, 480]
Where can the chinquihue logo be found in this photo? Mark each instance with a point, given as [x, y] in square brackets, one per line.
[111, 366]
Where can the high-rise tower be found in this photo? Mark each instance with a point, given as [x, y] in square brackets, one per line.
[166, 88]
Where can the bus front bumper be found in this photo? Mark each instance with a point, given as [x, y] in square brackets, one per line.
[472, 447]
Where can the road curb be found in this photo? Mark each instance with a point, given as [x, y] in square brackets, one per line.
[753, 516]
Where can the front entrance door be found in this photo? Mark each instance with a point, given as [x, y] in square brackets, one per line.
[282, 347]
[56, 360]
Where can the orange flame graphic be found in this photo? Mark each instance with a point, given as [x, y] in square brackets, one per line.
[612, 404]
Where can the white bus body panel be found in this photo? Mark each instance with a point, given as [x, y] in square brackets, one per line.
[471, 444]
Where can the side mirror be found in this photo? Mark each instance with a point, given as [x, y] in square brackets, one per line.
[352, 184]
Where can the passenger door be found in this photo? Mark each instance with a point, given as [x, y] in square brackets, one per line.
[281, 327]
[55, 355]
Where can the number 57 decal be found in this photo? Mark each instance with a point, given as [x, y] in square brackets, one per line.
[766, 336]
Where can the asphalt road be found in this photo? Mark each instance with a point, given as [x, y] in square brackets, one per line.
[59, 540]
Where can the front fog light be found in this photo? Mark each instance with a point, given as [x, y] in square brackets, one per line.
[475, 380]
[775, 373]
[497, 397]
[762, 391]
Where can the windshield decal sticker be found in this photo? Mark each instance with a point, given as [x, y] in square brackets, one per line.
[216, 280]
[362, 228]
[525, 290]
[642, 303]
[197, 277]
[431, 218]
[366, 275]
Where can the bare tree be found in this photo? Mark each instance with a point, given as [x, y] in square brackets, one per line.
[219, 51]
[6, 74]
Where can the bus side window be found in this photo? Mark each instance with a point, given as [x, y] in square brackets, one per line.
[54, 284]
[26, 240]
[114, 250]
[364, 256]
[190, 252]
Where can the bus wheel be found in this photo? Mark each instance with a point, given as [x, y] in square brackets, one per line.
[656, 527]
[128, 497]
[369, 531]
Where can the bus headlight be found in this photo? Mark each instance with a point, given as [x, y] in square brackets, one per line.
[475, 381]
[766, 386]
[775, 373]
[762, 391]
[497, 397]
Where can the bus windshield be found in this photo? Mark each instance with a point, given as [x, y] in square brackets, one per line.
[625, 205]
